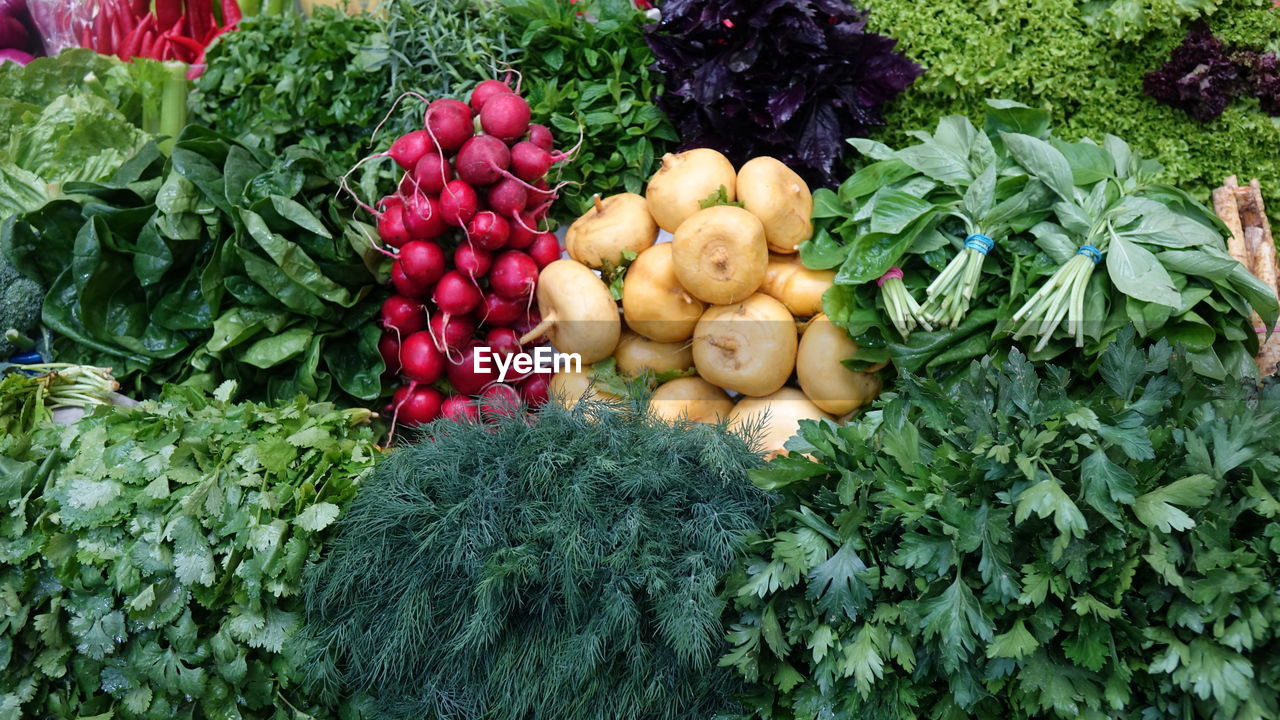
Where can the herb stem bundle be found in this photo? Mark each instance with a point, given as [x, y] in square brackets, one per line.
[1061, 297]
[903, 310]
[949, 295]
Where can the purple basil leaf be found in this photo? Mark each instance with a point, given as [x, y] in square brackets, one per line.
[787, 78]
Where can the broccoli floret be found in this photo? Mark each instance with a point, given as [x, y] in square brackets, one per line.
[20, 302]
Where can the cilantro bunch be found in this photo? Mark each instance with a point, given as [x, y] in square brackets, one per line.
[151, 557]
[1008, 550]
[566, 568]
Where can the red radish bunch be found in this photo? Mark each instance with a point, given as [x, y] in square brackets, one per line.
[467, 229]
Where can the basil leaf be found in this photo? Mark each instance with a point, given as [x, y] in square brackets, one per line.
[1138, 274]
[1044, 161]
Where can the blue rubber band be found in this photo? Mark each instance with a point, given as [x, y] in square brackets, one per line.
[1091, 252]
[981, 243]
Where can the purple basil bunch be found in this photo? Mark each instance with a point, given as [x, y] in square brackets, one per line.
[787, 78]
[1204, 75]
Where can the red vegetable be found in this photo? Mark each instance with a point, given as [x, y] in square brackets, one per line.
[514, 275]
[486, 90]
[505, 116]
[421, 361]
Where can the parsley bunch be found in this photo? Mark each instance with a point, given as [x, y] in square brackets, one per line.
[151, 557]
[1006, 550]
[566, 568]
[586, 74]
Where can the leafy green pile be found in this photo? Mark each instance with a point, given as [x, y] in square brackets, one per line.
[567, 568]
[1084, 62]
[151, 557]
[588, 75]
[1009, 551]
[285, 79]
[1058, 213]
[61, 127]
[216, 263]
[442, 48]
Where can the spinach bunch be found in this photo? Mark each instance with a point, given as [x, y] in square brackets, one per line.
[219, 262]
[151, 557]
[1014, 221]
[586, 75]
[1006, 549]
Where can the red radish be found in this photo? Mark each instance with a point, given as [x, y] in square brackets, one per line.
[513, 275]
[458, 203]
[403, 315]
[409, 148]
[424, 217]
[460, 408]
[385, 203]
[496, 310]
[466, 378]
[450, 122]
[505, 116]
[423, 263]
[499, 399]
[544, 250]
[530, 321]
[529, 162]
[389, 349]
[504, 341]
[540, 135]
[541, 188]
[451, 333]
[472, 261]
[534, 389]
[405, 285]
[524, 230]
[398, 398]
[482, 159]
[431, 173]
[407, 187]
[488, 230]
[420, 406]
[508, 197]
[391, 226]
[486, 90]
[421, 361]
[455, 294]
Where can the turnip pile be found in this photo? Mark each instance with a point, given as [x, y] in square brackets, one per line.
[723, 322]
[467, 230]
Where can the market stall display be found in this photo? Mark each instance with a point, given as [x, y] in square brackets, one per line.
[587, 359]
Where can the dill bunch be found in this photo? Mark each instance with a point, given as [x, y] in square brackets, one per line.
[565, 568]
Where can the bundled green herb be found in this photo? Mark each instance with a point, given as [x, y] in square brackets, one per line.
[586, 75]
[1029, 216]
[286, 79]
[442, 48]
[566, 567]
[151, 557]
[1006, 550]
[219, 262]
